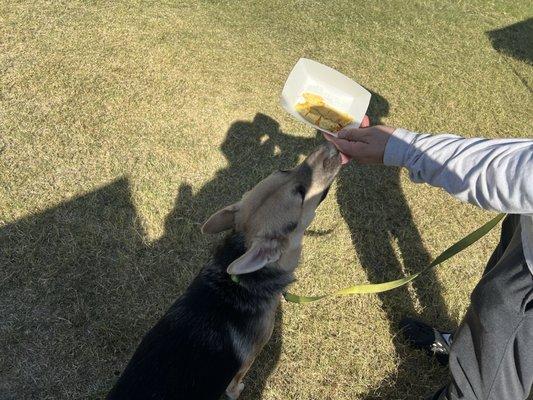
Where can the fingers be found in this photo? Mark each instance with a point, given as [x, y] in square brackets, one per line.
[344, 158]
[349, 149]
[353, 134]
[327, 136]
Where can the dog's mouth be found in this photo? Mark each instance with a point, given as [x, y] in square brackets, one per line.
[333, 159]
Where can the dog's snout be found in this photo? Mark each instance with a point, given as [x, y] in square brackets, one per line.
[324, 152]
[331, 150]
[327, 152]
[325, 160]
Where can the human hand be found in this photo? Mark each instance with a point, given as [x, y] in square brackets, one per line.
[365, 144]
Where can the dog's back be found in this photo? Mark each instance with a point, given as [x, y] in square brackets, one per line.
[170, 363]
[195, 350]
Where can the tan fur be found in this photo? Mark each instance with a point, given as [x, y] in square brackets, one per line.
[236, 386]
[263, 216]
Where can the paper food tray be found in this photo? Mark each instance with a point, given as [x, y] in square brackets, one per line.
[338, 91]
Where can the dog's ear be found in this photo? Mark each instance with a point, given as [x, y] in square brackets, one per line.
[221, 220]
[260, 254]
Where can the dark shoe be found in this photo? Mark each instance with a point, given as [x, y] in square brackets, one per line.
[422, 336]
[439, 395]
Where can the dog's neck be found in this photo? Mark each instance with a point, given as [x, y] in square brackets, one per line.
[272, 277]
[232, 247]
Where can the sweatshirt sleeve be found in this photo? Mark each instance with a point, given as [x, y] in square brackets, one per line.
[494, 174]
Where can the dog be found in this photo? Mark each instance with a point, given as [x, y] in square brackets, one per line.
[206, 342]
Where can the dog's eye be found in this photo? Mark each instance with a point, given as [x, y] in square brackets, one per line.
[284, 171]
[300, 190]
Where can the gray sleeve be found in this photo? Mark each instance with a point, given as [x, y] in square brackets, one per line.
[494, 174]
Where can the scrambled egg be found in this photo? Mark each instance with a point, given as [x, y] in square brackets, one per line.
[315, 110]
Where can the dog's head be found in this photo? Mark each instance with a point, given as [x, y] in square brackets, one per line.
[275, 213]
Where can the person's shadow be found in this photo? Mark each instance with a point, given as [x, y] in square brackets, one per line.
[515, 41]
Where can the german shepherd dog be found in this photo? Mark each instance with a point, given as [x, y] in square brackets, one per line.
[208, 339]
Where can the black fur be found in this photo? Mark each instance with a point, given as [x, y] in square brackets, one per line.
[324, 194]
[189, 354]
[291, 226]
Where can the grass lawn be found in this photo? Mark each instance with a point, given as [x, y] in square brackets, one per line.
[123, 125]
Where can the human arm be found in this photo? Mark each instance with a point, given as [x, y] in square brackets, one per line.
[495, 174]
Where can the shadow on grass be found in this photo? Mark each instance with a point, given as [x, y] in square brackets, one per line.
[80, 285]
[75, 292]
[515, 41]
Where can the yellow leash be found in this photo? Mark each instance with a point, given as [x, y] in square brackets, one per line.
[386, 286]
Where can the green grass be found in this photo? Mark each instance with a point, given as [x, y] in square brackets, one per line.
[123, 125]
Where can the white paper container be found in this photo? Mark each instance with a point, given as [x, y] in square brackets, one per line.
[337, 90]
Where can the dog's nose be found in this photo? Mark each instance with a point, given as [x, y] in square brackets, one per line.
[324, 154]
[330, 150]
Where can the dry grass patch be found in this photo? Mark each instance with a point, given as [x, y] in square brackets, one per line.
[124, 124]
